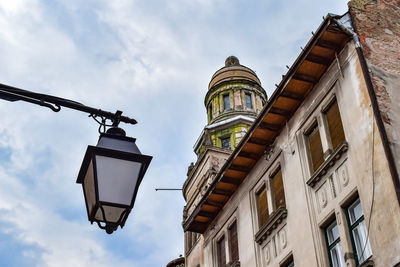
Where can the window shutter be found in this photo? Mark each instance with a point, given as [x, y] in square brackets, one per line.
[279, 192]
[335, 125]
[263, 213]
[317, 155]
[233, 243]
[221, 252]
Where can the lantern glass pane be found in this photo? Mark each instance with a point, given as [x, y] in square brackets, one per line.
[112, 214]
[89, 187]
[116, 179]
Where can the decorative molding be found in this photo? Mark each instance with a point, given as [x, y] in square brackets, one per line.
[276, 218]
[369, 263]
[328, 163]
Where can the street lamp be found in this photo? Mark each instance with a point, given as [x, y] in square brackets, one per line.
[110, 175]
[111, 171]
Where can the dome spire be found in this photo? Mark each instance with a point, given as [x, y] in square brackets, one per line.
[231, 61]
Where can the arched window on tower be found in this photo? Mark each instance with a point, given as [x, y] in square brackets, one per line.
[227, 104]
[249, 104]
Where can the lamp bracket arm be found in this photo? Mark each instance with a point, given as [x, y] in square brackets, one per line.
[55, 103]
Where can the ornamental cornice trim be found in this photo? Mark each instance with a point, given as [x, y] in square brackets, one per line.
[276, 219]
[328, 163]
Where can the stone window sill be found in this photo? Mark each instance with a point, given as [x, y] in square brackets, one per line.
[328, 163]
[276, 218]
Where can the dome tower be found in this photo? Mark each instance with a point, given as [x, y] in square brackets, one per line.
[233, 100]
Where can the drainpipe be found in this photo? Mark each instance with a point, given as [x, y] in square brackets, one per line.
[377, 113]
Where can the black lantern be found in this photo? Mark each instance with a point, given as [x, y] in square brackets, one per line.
[110, 175]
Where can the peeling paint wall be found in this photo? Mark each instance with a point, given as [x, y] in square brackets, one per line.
[378, 26]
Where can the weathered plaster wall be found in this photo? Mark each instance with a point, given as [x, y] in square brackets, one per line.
[194, 257]
[362, 170]
[378, 26]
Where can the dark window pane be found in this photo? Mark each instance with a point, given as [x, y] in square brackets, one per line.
[233, 243]
[279, 192]
[335, 125]
[359, 233]
[210, 111]
[248, 101]
[333, 233]
[226, 143]
[355, 211]
[336, 257]
[221, 252]
[315, 146]
[288, 263]
[262, 205]
[227, 104]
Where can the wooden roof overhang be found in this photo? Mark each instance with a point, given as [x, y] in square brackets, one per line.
[306, 71]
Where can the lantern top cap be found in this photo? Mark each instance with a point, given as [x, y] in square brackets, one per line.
[116, 131]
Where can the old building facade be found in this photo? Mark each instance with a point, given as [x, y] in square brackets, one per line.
[233, 101]
[314, 181]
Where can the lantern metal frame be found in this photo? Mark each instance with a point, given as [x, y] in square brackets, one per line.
[90, 156]
[12, 94]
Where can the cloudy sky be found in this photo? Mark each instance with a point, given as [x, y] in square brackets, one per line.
[152, 59]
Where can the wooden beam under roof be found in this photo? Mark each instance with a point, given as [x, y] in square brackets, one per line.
[328, 45]
[248, 155]
[229, 180]
[206, 214]
[334, 29]
[197, 227]
[282, 112]
[258, 141]
[214, 203]
[218, 191]
[269, 126]
[292, 95]
[305, 78]
[239, 168]
[318, 60]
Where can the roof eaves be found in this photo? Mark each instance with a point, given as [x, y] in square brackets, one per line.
[278, 91]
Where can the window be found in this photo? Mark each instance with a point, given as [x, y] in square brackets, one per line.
[315, 147]
[358, 232]
[288, 263]
[227, 104]
[334, 247]
[248, 100]
[233, 243]
[262, 206]
[278, 191]
[191, 240]
[274, 192]
[335, 126]
[225, 245]
[210, 111]
[325, 137]
[221, 257]
[226, 143]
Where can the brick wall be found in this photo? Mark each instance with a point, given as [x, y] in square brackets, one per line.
[377, 24]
